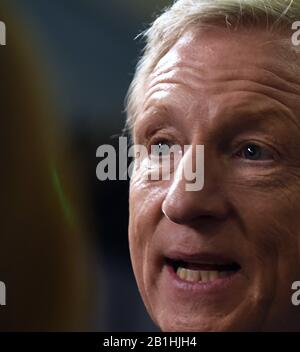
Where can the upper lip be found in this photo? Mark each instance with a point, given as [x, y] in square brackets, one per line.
[213, 259]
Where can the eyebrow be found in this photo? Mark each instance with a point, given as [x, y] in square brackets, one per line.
[259, 121]
[266, 115]
[160, 112]
[157, 114]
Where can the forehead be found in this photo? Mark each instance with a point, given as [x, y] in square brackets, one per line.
[211, 49]
[214, 65]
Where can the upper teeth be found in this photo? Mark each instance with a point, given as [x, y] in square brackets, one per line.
[200, 275]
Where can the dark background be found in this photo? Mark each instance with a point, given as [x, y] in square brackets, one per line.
[88, 54]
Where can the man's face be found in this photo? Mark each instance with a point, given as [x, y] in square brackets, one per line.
[223, 258]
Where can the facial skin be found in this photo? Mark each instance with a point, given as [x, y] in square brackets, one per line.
[226, 91]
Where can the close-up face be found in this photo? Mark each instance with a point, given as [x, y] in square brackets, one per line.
[222, 258]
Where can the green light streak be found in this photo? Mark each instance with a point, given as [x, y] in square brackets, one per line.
[57, 184]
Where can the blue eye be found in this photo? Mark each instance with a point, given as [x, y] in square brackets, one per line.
[255, 152]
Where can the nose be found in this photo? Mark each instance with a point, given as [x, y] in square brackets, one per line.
[182, 206]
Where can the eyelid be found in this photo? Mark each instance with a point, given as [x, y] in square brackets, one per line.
[155, 140]
[263, 145]
[145, 131]
[161, 134]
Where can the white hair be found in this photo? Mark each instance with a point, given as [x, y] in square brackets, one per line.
[271, 15]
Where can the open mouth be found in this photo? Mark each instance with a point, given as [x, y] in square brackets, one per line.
[201, 271]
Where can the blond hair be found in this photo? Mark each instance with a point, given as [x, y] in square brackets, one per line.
[271, 15]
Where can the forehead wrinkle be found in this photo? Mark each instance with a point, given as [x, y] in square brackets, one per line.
[259, 73]
[195, 80]
[268, 93]
[184, 56]
[182, 64]
[267, 109]
[182, 75]
[258, 90]
[161, 91]
[243, 107]
[273, 78]
[191, 76]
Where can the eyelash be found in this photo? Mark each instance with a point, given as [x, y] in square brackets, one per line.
[263, 147]
[162, 137]
[157, 139]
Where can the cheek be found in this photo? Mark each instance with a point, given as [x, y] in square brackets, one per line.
[145, 213]
[270, 219]
[269, 204]
[145, 202]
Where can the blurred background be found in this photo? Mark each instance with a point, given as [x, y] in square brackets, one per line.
[80, 56]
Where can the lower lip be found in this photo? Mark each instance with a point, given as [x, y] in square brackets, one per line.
[217, 286]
